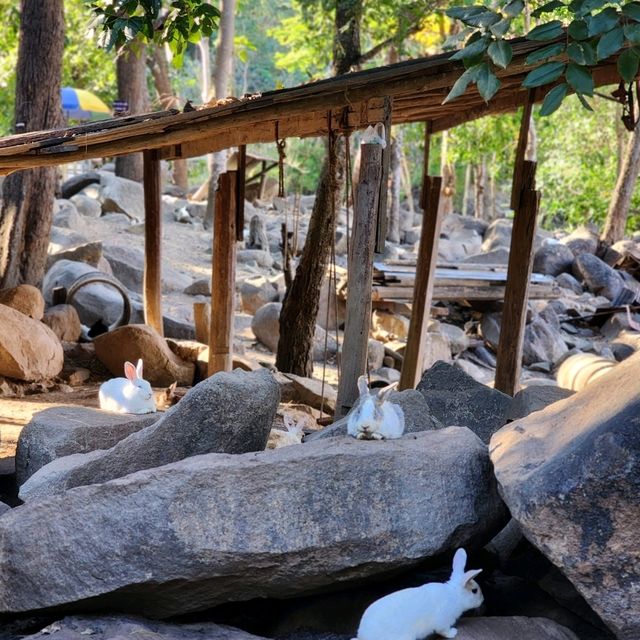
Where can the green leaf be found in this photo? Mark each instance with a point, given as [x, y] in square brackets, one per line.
[632, 32]
[632, 10]
[487, 82]
[582, 53]
[578, 30]
[580, 79]
[606, 20]
[546, 8]
[453, 40]
[514, 8]
[628, 63]
[476, 16]
[544, 74]
[461, 84]
[547, 31]
[471, 50]
[547, 52]
[553, 99]
[500, 53]
[610, 43]
[584, 102]
[500, 28]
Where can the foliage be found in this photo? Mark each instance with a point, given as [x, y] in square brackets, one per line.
[9, 28]
[595, 30]
[177, 23]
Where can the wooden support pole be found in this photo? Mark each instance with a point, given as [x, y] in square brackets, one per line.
[521, 149]
[202, 321]
[428, 128]
[358, 311]
[152, 287]
[240, 185]
[423, 288]
[223, 275]
[509, 359]
[381, 224]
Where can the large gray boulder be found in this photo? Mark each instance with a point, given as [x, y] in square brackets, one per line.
[120, 195]
[598, 276]
[417, 416]
[226, 413]
[553, 258]
[535, 398]
[570, 475]
[216, 528]
[121, 627]
[455, 398]
[62, 431]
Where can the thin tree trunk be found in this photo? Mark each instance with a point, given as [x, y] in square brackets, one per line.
[300, 306]
[132, 87]
[159, 67]
[479, 190]
[618, 213]
[28, 196]
[222, 79]
[486, 191]
[467, 189]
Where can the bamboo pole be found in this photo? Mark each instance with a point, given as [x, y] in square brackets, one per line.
[509, 358]
[152, 286]
[423, 289]
[358, 312]
[223, 275]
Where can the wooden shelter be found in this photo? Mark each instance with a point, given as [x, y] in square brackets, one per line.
[411, 91]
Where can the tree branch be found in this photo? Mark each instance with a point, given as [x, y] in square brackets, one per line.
[374, 51]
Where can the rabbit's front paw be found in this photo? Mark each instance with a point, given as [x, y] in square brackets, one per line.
[377, 436]
[449, 633]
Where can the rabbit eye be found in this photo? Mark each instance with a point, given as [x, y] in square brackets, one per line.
[474, 590]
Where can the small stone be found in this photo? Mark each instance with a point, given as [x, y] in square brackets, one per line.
[64, 321]
[552, 259]
[24, 298]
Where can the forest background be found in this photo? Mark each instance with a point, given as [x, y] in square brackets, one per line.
[282, 43]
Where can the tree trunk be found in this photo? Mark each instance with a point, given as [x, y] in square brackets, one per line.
[132, 87]
[159, 67]
[28, 196]
[479, 190]
[614, 226]
[300, 306]
[467, 189]
[486, 191]
[222, 79]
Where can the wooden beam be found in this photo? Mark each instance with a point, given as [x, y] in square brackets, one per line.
[423, 289]
[512, 326]
[202, 321]
[523, 140]
[223, 275]
[358, 311]
[428, 127]
[152, 286]
[381, 224]
[240, 186]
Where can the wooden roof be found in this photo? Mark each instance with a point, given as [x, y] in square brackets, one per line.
[353, 101]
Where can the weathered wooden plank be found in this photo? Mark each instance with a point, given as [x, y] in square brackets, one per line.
[152, 284]
[509, 358]
[202, 321]
[223, 275]
[358, 311]
[458, 293]
[240, 186]
[523, 139]
[381, 224]
[423, 290]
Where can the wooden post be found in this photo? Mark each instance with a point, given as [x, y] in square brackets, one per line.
[240, 186]
[509, 359]
[358, 312]
[381, 224]
[202, 321]
[521, 149]
[423, 287]
[152, 287]
[223, 275]
[428, 127]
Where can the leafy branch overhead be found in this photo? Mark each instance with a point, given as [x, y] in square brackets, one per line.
[595, 30]
[174, 22]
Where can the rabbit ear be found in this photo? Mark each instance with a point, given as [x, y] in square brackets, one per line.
[172, 386]
[470, 575]
[459, 562]
[139, 368]
[130, 372]
[386, 391]
[363, 387]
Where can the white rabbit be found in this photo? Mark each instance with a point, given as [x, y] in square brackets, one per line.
[414, 614]
[374, 417]
[128, 395]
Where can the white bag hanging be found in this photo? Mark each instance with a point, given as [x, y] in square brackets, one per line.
[375, 135]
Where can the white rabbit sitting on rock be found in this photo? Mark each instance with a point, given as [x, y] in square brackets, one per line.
[414, 614]
[374, 417]
[128, 395]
